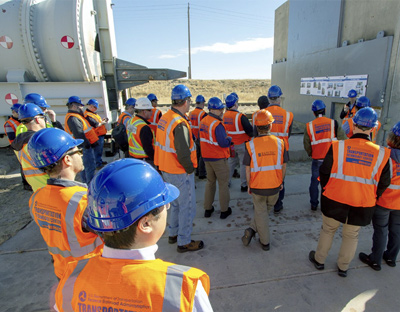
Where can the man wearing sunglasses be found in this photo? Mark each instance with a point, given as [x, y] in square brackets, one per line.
[32, 117]
[62, 220]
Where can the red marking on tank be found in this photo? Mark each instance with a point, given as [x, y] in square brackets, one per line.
[6, 42]
[11, 98]
[67, 42]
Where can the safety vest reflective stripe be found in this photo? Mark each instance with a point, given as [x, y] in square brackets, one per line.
[256, 168]
[210, 135]
[100, 130]
[173, 286]
[285, 133]
[12, 123]
[237, 131]
[135, 148]
[153, 119]
[314, 141]
[34, 176]
[89, 132]
[339, 175]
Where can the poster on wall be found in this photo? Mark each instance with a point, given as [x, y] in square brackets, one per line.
[334, 86]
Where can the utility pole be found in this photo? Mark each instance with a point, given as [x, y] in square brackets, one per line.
[190, 60]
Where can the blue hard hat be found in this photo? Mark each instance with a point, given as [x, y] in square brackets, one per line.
[215, 103]
[131, 101]
[352, 93]
[74, 99]
[93, 102]
[47, 146]
[152, 97]
[318, 105]
[274, 92]
[230, 100]
[200, 99]
[180, 92]
[37, 99]
[366, 117]
[16, 107]
[362, 102]
[235, 95]
[124, 191]
[396, 129]
[29, 110]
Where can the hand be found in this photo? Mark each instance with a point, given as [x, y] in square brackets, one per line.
[51, 114]
[345, 108]
[281, 187]
[248, 190]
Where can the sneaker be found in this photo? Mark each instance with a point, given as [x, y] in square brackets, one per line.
[314, 208]
[192, 246]
[365, 259]
[277, 210]
[248, 235]
[341, 273]
[243, 188]
[208, 213]
[389, 262]
[225, 214]
[172, 239]
[311, 257]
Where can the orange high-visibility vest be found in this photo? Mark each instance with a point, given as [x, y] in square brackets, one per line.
[164, 152]
[130, 285]
[266, 153]
[101, 130]
[356, 170]
[11, 126]
[350, 114]
[208, 141]
[136, 150]
[124, 119]
[234, 128]
[60, 223]
[282, 123]
[87, 128]
[321, 132]
[391, 196]
[34, 176]
[153, 120]
[374, 132]
[195, 116]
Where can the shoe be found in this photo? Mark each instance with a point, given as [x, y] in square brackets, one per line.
[341, 273]
[314, 208]
[172, 239]
[277, 210]
[243, 188]
[202, 177]
[248, 235]
[208, 213]
[236, 174]
[391, 263]
[311, 257]
[264, 247]
[225, 214]
[192, 246]
[365, 258]
[196, 173]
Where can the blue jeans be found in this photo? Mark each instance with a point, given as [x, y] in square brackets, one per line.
[98, 151]
[279, 202]
[314, 192]
[386, 224]
[90, 166]
[183, 209]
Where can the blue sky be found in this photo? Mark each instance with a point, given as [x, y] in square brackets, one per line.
[229, 39]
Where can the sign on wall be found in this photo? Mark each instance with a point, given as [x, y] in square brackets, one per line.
[334, 86]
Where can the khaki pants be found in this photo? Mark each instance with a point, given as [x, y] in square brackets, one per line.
[217, 170]
[260, 222]
[349, 242]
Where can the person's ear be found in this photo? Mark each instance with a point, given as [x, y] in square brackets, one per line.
[145, 225]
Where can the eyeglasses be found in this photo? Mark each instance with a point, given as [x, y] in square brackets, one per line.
[78, 151]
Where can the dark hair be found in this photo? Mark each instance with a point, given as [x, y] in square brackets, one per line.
[125, 238]
[362, 128]
[25, 121]
[263, 102]
[264, 129]
[54, 168]
[393, 140]
[320, 111]
[179, 102]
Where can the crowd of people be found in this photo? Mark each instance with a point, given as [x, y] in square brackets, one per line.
[102, 232]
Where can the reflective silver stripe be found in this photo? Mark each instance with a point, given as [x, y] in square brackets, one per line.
[32, 205]
[32, 172]
[323, 141]
[153, 122]
[137, 149]
[287, 122]
[339, 175]
[199, 118]
[280, 134]
[311, 128]
[237, 131]
[210, 141]
[332, 138]
[394, 187]
[256, 168]
[68, 288]
[173, 287]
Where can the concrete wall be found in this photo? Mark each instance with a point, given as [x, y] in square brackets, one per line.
[281, 32]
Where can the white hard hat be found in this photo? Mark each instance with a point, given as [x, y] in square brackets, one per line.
[143, 103]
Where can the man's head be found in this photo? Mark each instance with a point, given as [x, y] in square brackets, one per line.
[231, 101]
[274, 94]
[362, 102]
[75, 104]
[318, 107]
[93, 105]
[263, 121]
[54, 150]
[216, 107]
[200, 101]
[153, 99]
[37, 99]
[14, 110]
[130, 105]
[263, 102]
[365, 120]
[127, 202]
[352, 95]
[32, 117]
[181, 98]
[393, 139]
[143, 107]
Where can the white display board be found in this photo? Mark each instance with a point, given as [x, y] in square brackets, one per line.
[334, 86]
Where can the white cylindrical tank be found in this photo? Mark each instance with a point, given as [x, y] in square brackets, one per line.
[48, 40]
